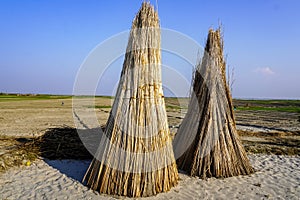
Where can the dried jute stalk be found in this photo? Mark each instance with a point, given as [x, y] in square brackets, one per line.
[136, 156]
[207, 142]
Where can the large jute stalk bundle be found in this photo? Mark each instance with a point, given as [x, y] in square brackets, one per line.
[135, 157]
[207, 143]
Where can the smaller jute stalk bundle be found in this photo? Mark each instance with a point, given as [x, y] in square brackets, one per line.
[207, 143]
[135, 157]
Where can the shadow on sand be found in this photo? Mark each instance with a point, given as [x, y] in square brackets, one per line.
[69, 150]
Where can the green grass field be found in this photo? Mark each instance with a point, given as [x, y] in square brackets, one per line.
[280, 109]
[15, 97]
[292, 106]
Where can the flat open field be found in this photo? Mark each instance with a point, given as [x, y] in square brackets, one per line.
[43, 126]
[274, 124]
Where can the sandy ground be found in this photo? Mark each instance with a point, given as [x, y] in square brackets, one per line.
[277, 177]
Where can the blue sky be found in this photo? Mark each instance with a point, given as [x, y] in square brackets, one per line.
[44, 43]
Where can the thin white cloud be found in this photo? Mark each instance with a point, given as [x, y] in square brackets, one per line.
[265, 71]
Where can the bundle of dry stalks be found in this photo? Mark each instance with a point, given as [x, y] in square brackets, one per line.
[207, 141]
[135, 157]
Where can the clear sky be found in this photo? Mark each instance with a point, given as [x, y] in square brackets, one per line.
[43, 43]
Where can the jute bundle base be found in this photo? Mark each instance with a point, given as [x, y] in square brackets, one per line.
[114, 182]
[136, 156]
[208, 131]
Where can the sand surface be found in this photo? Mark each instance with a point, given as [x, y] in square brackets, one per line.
[277, 177]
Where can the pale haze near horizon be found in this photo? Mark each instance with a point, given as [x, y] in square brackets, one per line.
[44, 43]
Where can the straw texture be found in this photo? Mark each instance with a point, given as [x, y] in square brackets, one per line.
[135, 157]
[207, 142]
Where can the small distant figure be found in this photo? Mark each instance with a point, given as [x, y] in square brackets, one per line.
[62, 103]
